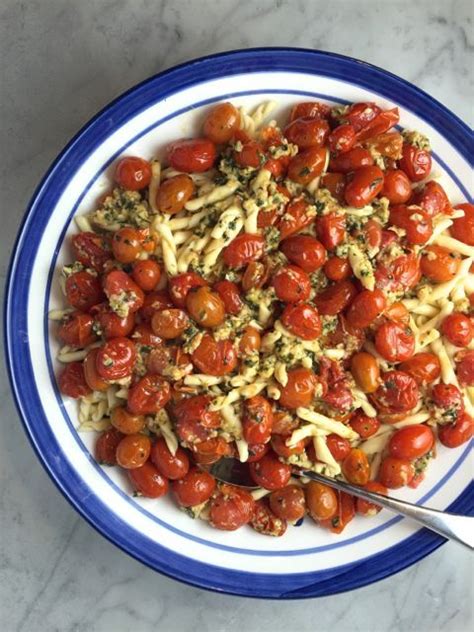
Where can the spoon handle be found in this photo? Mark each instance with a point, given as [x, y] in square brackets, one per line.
[451, 526]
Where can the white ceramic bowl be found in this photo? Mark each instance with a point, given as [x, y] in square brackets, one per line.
[307, 561]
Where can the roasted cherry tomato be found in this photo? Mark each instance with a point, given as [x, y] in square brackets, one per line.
[91, 249]
[335, 298]
[196, 408]
[111, 325]
[338, 446]
[83, 290]
[230, 296]
[124, 294]
[148, 481]
[350, 161]
[366, 507]
[463, 227]
[211, 450]
[251, 154]
[335, 183]
[454, 435]
[231, 507]
[250, 341]
[257, 420]
[116, 359]
[93, 379]
[133, 451]
[288, 503]
[364, 426]
[205, 307]
[395, 473]
[270, 472]
[365, 308]
[284, 423]
[143, 335]
[310, 109]
[432, 199]
[278, 443]
[255, 276]
[106, 447]
[173, 466]
[365, 371]
[264, 521]
[72, 382]
[356, 468]
[342, 138]
[337, 269]
[307, 165]
[298, 215]
[291, 284]
[304, 251]
[256, 451]
[307, 132]
[194, 488]
[133, 173]
[360, 115]
[415, 162]
[193, 155]
[174, 193]
[423, 367]
[300, 388]
[221, 122]
[439, 264]
[396, 187]
[180, 285]
[380, 124]
[302, 320]
[148, 395]
[126, 244]
[395, 342]
[146, 274]
[125, 421]
[153, 303]
[76, 330]
[215, 357]
[402, 273]
[331, 230]
[458, 329]
[398, 393]
[244, 249]
[389, 145]
[365, 185]
[170, 323]
[465, 368]
[398, 313]
[414, 220]
[448, 397]
[411, 442]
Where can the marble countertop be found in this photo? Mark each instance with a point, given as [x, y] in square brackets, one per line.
[64, 60]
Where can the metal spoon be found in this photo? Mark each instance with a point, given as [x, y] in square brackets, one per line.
[451, 526]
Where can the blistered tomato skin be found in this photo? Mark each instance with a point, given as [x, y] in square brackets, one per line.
[270, 472]
[411, 442]
[292, 284]
[365, 185]
[463, 227]
[192, 155]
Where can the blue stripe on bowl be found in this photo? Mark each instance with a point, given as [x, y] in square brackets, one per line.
[16, 336]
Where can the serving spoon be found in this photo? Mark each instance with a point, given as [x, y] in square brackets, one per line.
[452, 526]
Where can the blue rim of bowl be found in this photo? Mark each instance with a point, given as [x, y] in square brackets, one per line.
[299, 585]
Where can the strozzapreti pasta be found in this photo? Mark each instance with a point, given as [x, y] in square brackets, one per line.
[294, 295]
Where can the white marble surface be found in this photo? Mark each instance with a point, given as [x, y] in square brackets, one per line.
[61, 62]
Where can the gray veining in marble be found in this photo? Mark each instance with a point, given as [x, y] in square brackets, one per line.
[60, 62]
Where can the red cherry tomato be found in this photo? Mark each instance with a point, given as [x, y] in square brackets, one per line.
[116, 359]
[338, 446]
[360, 115]
[264, 521]
[335, 183]
[298, 214]
[92, 250]
[310, 109]
[215, 357]
[278, 443]
[379, 124]
[118, 285]
[302, 320]
[356, 467]
[365, 308]
[307, 132]
[179, 286]
[307, 165]
[342, 138]
[173, 193]
[230, 295]
[288, 503]
[231, 508]
[250, 155]
[398, 393]
[111, 324]
[153, 303]
[196, 408]
[414, 220]
[194, 488]
[304, 251]
[365, 185]
[458, 329]
[83, 290]
[244, 249]
[148, 395]
[345, 513]
[146, 274]
[106, 447]
[193, 155]
[331, 230]
[284, 423]
[401, 274]
[449, 397]
[395, 342]
[366, 507]
[396, 187]
[415, 162]
[270, 472]
[76, 330]
[395, 473]
[411, 442]
[256, 451]
[133, 451]
[72, 382]
[173, 466]
[465, 368]
[337, 269]
[364, 426]
[300, 388]
[425, 367]
[463, 227]
[432, 199]
[221, 122]
[352, 160]
[257, 420]
[439, 264]
[133, 173]
[335, 298]
[126, 244]
[291, 284]
[148, 481]
[454, 435]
